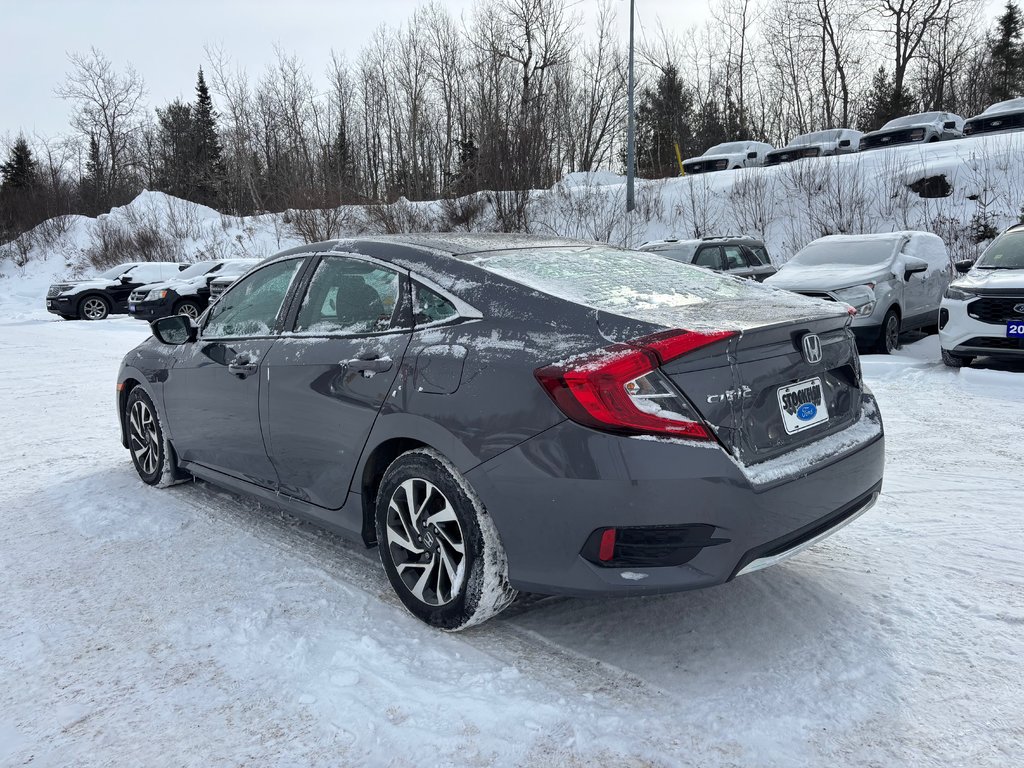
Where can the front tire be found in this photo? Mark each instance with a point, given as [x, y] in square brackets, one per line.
[439, 547]
[152, 453]
[889, 338]
[955, 361]
[93, 308]
[190, 309]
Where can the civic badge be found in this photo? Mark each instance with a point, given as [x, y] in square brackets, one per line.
[812, 348]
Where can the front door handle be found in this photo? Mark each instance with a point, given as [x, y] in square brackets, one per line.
[368, 365]
[242, 366]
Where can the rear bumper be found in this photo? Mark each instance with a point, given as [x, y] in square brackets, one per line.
[548, 495]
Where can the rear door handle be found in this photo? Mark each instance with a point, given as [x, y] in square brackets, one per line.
[368, 365]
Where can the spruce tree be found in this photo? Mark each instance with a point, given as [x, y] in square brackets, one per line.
[93, 187]
[1007, 52]
[663, 120]
[209, 164]
[19, 172]
[882, 103]
[178, 174]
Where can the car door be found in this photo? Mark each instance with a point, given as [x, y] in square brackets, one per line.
[736, 261]
[212, 393]
[330, 375]
[137, 276]
[709, 256]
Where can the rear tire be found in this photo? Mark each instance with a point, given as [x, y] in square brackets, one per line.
[956, 361]
[93, 308]
[439, 547]
[152, 453]
[889, 337]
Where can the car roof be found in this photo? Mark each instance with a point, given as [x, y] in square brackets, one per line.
[722, 240]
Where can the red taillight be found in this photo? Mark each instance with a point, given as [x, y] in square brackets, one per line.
[621, 390]
[607, 549]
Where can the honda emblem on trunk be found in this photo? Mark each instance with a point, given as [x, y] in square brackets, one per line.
[812, 348]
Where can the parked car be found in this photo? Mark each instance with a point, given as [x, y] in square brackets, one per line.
[1004, 117]
[226, 277]
[107, 292]
[983, 311]
[915, 129]
[739, 256]
[187, 293]
[838, 141]
[681, 427]
[722, 157]
[894, 281]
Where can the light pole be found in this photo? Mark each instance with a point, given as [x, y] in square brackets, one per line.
[630, 125]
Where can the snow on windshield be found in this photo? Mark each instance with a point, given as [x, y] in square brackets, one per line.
[924, 117]
[1006, 252]
[854, 251]
[731, 148]
[114, 272]
[1012, 105]
[200, 268]
[818, 136]
[648, 287]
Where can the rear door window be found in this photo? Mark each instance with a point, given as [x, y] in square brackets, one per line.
[734, 260]
[709, 257]
[759, 256]
[349, 296]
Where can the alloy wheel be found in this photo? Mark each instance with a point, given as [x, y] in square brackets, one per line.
[189, 310]
[426, 542]
[94, 308]
[892, 333]
[144, 438]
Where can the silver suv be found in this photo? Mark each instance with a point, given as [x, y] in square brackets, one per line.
[894, 281]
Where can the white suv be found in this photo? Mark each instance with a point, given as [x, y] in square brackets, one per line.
[983, 311]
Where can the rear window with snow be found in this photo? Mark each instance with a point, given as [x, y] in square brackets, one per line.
[646, 286]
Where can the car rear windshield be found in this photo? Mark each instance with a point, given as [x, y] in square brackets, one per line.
[856, 252]
[1006, 252]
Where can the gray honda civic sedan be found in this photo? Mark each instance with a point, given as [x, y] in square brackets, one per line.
[502, 413]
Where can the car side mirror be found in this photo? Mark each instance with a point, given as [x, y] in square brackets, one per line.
[949, 124]
[174, 330]
[125, 279]
[844, 143]
[751, 155]
[964, 266]
[912, 267]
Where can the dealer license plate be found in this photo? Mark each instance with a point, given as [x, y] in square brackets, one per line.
[802, 405]
[1015, 329]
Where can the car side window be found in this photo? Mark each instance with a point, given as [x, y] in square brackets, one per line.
[251, 307]
[348, 296]
[430, 307]
[759, 257]
[734, 258]
[709, 257]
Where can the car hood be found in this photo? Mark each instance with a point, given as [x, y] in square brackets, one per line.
[991, 280]
[827, 277]
[738, 157]
[91, 282]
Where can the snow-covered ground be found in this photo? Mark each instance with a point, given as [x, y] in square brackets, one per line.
[191, 627]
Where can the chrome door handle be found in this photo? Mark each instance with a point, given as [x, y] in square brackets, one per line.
[368, 365]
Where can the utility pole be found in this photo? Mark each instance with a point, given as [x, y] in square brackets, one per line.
[630, 126]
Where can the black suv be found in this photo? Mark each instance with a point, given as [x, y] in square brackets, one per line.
[187, 293]
[107, 293]
[740, 256]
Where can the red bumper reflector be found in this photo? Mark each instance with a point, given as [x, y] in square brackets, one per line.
[607, 549]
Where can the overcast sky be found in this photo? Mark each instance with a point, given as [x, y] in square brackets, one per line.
[165, 41]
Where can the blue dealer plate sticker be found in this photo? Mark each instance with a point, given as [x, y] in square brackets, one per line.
[1015, 329]
[802, 405]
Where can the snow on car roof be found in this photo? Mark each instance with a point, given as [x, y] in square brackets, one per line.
[918, 119]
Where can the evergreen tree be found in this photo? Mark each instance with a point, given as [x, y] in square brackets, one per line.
[209, 163]
[341, 167]
[663, 120]
[882, 103]
[1007, 52]
[178, 173]
[93, 187]
[19, 172]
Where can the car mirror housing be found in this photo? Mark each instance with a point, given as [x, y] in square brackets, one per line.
[949, 124]
[751, 155]
[913, 266]
[125, 279]
[174, 330]
[963, 266]
[844, 143]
